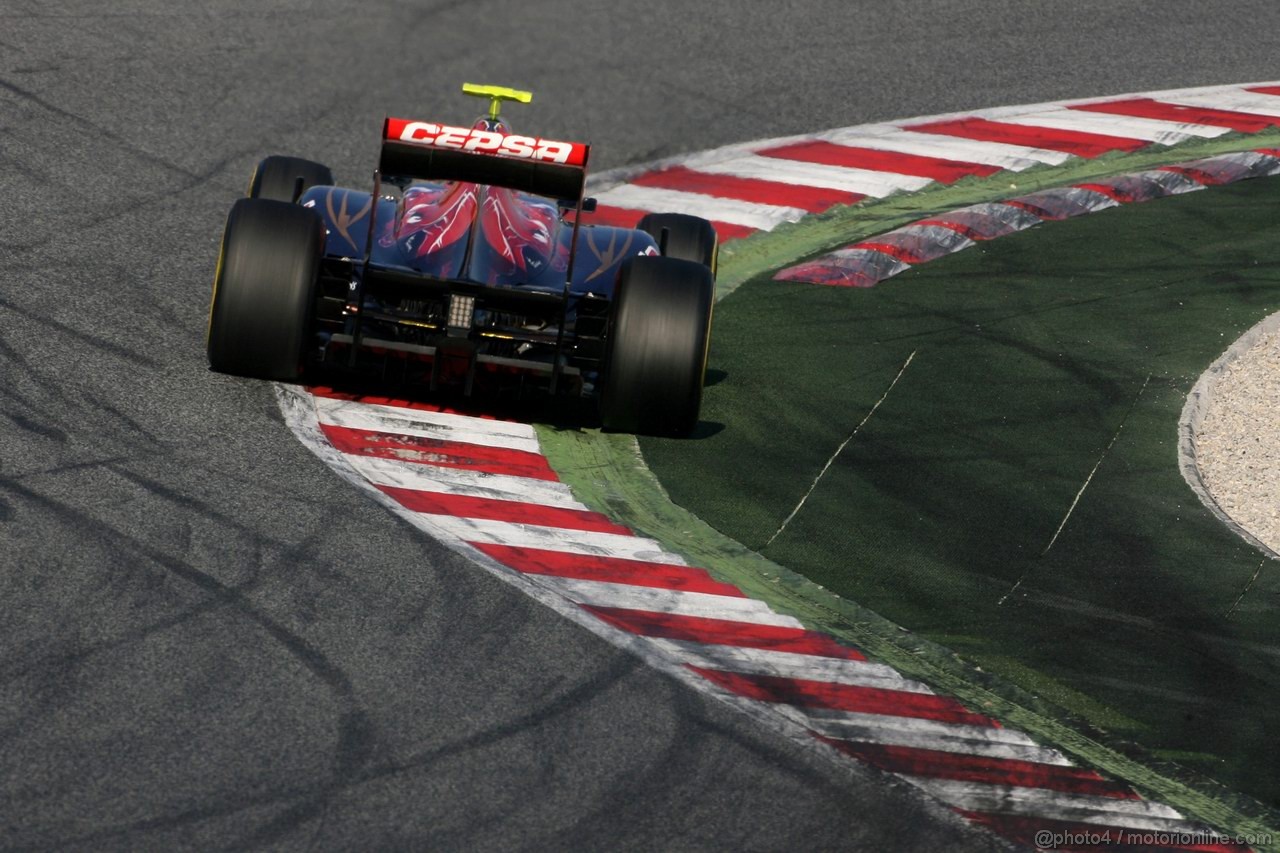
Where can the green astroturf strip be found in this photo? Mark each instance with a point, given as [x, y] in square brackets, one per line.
[607, 472]
[1033, 354]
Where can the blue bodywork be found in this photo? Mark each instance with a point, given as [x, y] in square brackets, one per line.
[401, 243]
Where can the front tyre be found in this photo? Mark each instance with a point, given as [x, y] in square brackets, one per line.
[689, 238]
[656, 346]
[260, 319]
[286, 178]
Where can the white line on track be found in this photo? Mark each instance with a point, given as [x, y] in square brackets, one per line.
[1085, 485]
[1072, 508]
[842, 446]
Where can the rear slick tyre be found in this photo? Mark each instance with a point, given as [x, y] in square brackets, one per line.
[656, 346]
[260, 318]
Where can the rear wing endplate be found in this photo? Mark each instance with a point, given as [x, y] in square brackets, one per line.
[434, 152]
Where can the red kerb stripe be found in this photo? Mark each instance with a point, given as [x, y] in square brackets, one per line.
[812, 199]
[538, 561]
[725, 632]
[616, 217]
[1148, 108]
[434, 451]
[1071, 141]
[1109, 191]
[959, 228]
[980, 768]
[466, 506]
[1197, 175]
[400, 403]
[900, 253]
[1264, 90]
[845, 697]
[1035, 210]
[849, 157]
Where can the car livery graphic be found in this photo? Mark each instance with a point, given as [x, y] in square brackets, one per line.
[467, 264]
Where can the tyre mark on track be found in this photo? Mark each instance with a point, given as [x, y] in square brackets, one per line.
[84, 337]
[98, 130]
[356, 738]
[317, 795]
[132, 205]
[25, 423]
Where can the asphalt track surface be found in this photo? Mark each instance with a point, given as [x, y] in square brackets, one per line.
[206, 639]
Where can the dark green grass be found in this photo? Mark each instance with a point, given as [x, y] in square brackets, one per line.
[1032, 355]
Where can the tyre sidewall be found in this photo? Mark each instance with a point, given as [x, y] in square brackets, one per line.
[656, 351]
[260, 321]
[276, 178]
[689, 238]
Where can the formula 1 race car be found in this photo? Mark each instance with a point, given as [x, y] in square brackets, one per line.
[468, 264]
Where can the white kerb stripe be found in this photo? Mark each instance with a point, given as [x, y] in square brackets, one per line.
[458, 481]
[940, 236]
[436, 425]
[1054, 805]
[791, 665]
[1007, 214]
[487, 425]
[851, 253]
[488, 532]
[1238, 101]
[1172, 183]
[1152, 130]
[890, 734]
[864, 181]
[838, 724]
[753, 215]
[675, 602]
[1266, 163]
[1002, 154]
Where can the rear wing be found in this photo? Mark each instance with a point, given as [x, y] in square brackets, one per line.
[419, 149]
